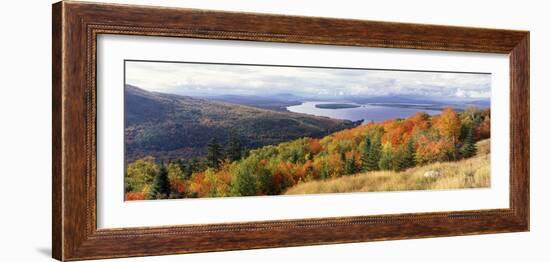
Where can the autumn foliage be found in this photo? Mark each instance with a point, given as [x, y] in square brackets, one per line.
[396, 145]
[134, 196]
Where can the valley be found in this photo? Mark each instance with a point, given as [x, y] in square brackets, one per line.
[170, 127]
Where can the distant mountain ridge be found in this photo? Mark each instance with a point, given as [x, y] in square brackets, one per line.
[433, 102]
[277, 102]
[169, 126]
[280, 102]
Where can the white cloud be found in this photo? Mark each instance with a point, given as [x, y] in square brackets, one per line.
[217, 79]
[460, 93]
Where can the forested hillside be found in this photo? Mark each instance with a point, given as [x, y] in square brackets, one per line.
[395, 145]
[471, 172]
[169, 127]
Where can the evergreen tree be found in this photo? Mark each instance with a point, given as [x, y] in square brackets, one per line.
[197, 165]
[408, 156]
[161, 184]
[373, 157]
[343, 156]
[386, 159]
[344, 162]
[324, 171]
[214, 154]
[399, 160]
[265, 181]
[294, 157]
[234, 148]
[365, 155]
[468, 148]
[350, 165]
[188, 171]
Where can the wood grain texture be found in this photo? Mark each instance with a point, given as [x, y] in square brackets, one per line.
[76, 27]
[57, 195]
[519, 129]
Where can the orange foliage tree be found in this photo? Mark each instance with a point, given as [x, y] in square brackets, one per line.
[394, 144]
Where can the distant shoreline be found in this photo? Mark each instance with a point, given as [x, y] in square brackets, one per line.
[336, 106]
[355, 111]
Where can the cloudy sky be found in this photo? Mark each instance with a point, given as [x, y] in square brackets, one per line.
[215, 79]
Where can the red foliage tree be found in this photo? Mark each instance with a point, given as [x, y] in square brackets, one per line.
[134, 196]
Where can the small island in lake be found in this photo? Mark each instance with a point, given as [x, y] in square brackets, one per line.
[336, 106]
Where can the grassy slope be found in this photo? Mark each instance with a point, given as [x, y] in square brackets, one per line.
[171, 126]
[468, 173]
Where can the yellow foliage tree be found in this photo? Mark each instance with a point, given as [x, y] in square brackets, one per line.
[448, 124]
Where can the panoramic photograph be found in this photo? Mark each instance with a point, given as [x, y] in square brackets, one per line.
[205, 130]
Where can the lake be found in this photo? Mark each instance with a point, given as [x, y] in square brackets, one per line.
[367, 112]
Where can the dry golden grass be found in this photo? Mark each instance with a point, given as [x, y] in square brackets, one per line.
[468, 173]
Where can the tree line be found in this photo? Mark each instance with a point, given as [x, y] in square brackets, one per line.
[148, 179]
[390, 145]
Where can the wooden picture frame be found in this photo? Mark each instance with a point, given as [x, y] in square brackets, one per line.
[76, 26]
